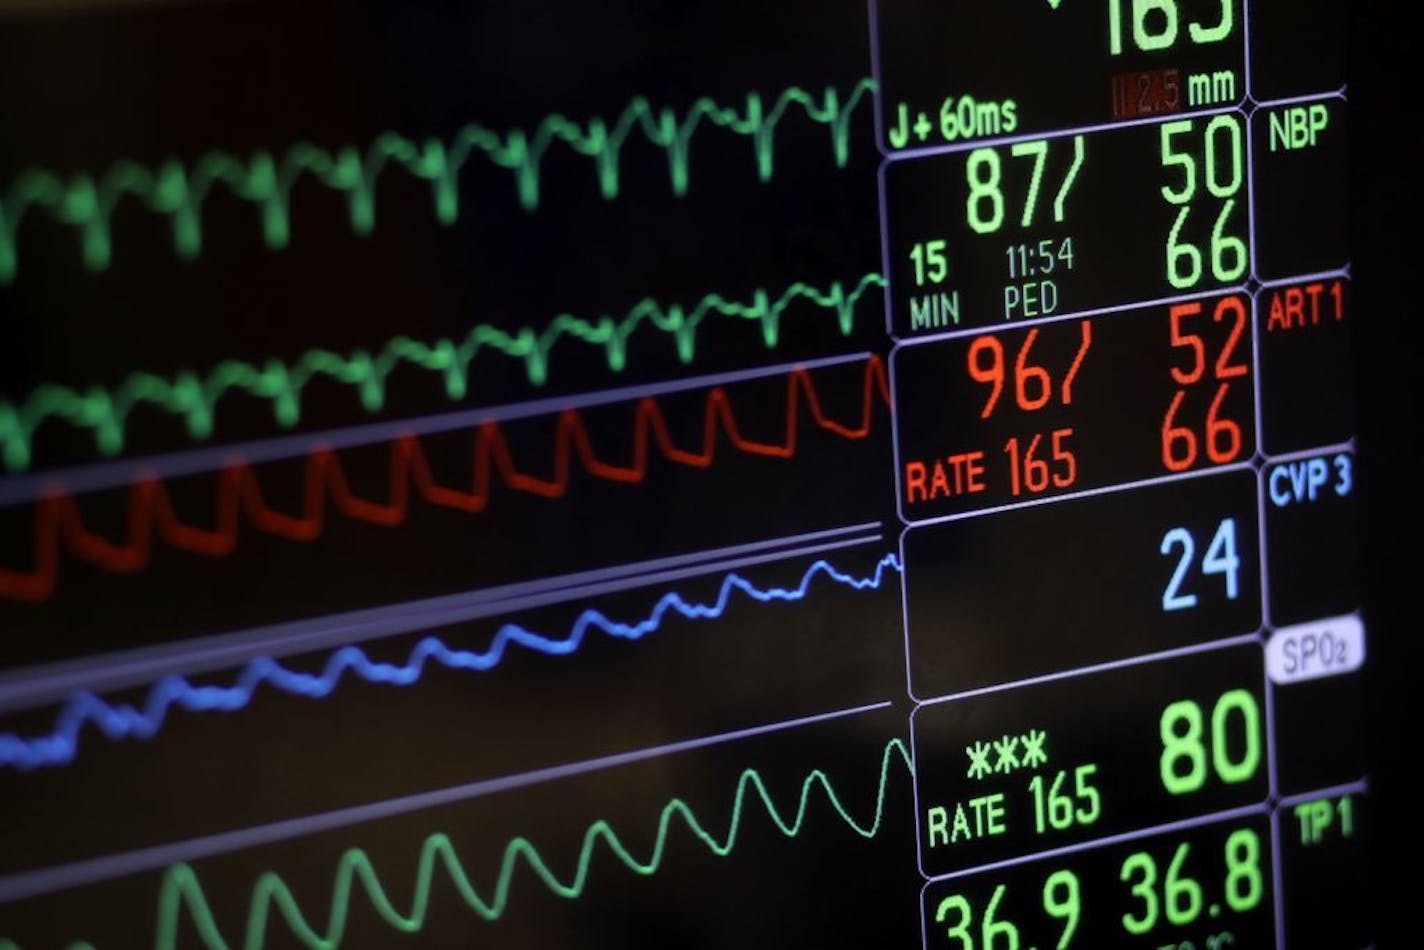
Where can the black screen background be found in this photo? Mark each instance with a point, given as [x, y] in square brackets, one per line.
[814, 222]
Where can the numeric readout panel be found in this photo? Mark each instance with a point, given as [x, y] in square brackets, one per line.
[956, 72]
[1033, 412]
[1017, 771]
[1021, 593]
[1072, 223]
[1208, 887]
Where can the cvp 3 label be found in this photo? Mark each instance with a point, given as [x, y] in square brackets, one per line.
[1305, 481]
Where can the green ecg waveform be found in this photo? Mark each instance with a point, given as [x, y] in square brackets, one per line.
[195, 399]
[182, 890]
[176, 190]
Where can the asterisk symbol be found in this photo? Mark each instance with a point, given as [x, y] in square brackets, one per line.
[978, 759]
[1008, 758]
[1033, 753]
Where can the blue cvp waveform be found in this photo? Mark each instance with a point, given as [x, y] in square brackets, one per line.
[123, 721]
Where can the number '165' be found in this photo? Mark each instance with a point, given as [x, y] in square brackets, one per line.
[1160, 32]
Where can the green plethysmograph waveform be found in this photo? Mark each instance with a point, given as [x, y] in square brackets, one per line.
[176, 190]
[181, 891]
[194, 398]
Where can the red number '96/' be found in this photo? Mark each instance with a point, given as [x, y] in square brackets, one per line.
[1033, 384]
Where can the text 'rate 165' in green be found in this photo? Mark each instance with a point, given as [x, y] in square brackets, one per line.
[1050, 765]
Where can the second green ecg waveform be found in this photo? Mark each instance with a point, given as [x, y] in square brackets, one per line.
[195, 399]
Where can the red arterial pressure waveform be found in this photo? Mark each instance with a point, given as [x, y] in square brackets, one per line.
[151, 513]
